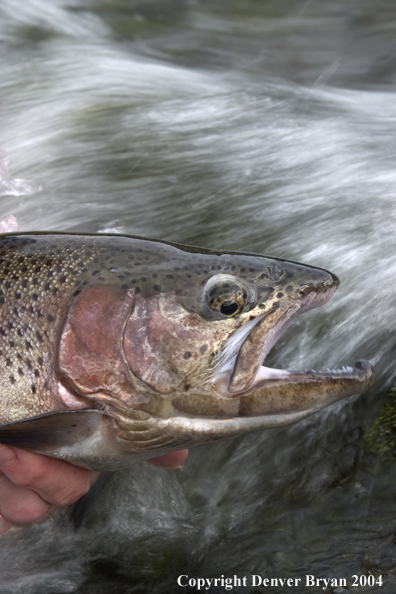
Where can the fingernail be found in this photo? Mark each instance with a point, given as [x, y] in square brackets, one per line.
[4, 525]
[7, 456]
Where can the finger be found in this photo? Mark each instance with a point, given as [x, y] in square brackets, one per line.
[57, 482]
[4, 525]
[20, 506]
[172, 460]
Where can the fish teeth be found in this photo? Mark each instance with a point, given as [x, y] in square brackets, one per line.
[344, 369]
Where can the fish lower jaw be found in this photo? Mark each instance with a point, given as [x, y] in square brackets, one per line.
[361, 372]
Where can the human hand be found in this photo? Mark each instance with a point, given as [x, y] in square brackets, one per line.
[32, 486]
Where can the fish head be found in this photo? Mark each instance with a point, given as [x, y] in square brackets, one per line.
[201, 344]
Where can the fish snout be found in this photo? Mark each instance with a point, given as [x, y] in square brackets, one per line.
[318, 291]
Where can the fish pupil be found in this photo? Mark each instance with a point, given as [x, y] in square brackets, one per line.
[229, 307]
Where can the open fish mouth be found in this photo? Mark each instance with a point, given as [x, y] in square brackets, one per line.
[240, 372]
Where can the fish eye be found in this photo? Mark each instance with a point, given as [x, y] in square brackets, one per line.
[229, 308]
[226, 297]
[229, 305]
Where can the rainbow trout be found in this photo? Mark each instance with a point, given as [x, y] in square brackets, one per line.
[117, 348]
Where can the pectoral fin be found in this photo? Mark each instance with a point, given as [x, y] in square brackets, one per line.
[53, 430]
[84, 437]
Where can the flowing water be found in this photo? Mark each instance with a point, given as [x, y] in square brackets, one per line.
[267, 126]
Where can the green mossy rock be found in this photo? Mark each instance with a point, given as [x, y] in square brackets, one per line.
[382, 435]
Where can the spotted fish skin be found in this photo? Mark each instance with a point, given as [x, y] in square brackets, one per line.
[38, 274]
[163, 343]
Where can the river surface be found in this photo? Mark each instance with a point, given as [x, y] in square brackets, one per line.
[266, 126]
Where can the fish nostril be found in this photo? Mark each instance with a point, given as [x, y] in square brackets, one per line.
[307, 289]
